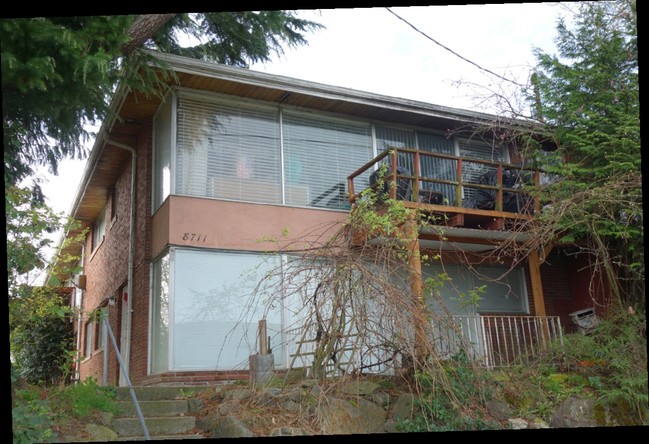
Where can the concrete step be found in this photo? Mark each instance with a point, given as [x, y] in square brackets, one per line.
[161, 437]
[174, 407]
[155, 393]
[157, 426]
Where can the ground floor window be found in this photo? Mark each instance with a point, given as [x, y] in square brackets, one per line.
[206, 308]
[481, 289]
[206, 305]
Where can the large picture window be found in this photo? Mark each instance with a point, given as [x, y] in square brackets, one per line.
[319, 154]
[206, 310]
[218, 147]
[430, 167]
[228, 150]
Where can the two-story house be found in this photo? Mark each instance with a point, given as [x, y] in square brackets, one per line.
[178, 191]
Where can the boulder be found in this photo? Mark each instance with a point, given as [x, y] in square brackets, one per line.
[350, 416]
[231, 427]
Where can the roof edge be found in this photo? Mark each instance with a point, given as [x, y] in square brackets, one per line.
[257, 78]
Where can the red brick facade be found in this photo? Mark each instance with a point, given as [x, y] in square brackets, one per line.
[106, 268]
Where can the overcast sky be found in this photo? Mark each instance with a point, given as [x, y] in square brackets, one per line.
[370, 49]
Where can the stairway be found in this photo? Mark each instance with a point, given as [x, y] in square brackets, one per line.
[166, 412]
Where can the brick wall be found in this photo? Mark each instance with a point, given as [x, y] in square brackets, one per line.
[142, 260]
[106, 268]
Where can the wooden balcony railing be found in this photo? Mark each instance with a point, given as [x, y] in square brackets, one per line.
[415, 176]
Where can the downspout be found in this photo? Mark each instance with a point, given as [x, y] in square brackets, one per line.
[79, 308]
[77, 360]
[131, 249]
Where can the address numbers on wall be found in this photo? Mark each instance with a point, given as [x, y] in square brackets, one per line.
[194, 237]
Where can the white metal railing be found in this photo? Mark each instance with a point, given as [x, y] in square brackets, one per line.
[496, 341]
[104, 319]
[490, 341]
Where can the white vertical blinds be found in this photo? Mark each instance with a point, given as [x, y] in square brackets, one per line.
[319, 154]
[229, 151]
[504, 290]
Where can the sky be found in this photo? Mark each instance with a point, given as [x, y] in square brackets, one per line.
[372, 50]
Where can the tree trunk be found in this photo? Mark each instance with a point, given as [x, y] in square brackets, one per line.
[143, 29]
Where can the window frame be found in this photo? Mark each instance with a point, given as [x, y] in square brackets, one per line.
[99, 230]
[90, 334]
[100, 332]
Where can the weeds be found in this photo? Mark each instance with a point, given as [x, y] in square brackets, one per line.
[452, 401]
[36, 410]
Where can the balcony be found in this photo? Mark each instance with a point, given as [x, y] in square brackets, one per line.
[461, 191]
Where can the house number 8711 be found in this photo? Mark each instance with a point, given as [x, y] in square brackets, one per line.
[194, 237]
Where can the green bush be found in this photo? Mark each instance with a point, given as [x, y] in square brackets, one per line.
[609, 363]
[452, 398]
[41, 336]
[40, 349]
[36, 409]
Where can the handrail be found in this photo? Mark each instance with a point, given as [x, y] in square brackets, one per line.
[459, 183]
[128, 381]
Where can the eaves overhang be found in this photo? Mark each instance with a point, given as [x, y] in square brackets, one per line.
[330, 98]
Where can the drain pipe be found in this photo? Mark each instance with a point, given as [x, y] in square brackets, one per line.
[77, 359]
[78, 306]
[126, 348]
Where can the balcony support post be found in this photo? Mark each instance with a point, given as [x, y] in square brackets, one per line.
[411, 233]
[535, 278]
[537, 293]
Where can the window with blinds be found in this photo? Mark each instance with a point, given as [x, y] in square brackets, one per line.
[400, 138]
[319, 154]
[245, 152]
[163, 125]
[228, 150]
[434, 168]
[473, 172]
[437, 168]
[503, 290]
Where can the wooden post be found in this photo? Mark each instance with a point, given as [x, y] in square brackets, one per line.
[415, 185]
[393, 176]
[537, 287]
[499, 191]
[458, 187]
[537, 292]
[263, 338]
[416, 286]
